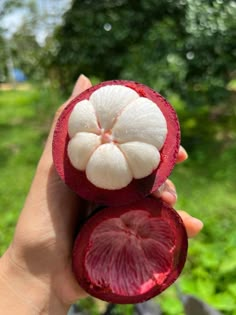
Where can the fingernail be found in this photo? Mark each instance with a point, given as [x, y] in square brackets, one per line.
[172, 192]
[164, 189]
[82, 79]
[81, 76]
[80, 85]
[160, 190]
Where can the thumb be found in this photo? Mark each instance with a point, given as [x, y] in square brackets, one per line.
[82, 84]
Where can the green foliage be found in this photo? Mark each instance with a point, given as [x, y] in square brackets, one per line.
[208, 191]
[123, 309]
[89, 304]
[7, 6]
[182, 46]
[3, 58]
[98, 37]
[170, 303]
[26, 52]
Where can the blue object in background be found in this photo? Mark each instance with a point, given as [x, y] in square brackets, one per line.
[18, 75]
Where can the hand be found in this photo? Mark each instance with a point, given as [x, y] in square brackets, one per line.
[36, 268]
[167, 192]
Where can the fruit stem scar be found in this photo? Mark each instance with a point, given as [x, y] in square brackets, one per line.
[106, 136]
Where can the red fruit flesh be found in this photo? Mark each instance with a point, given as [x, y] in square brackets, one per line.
[129, 255]
[138, 188]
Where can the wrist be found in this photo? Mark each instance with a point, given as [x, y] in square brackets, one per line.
[22, 293]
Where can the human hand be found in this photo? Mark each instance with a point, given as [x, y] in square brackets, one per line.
[37, 265]
[167, 192]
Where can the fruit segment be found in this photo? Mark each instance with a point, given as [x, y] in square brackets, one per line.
[141, 121]
[80, 148]
[142, 158]
[83, 119]
[108, 167]
[116, 142]
[130, 254]
[109, 101]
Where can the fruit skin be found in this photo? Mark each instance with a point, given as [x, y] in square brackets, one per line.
[138, 188]
[156, 208]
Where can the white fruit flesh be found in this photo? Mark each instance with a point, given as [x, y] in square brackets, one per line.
[116, 136]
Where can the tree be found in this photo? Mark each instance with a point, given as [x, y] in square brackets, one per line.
[3, 59]
[26, 52]
[7, 6]
[21, 48]
[96, 37]
[185, 46]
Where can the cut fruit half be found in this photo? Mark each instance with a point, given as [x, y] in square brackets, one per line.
[116, 142]
[132, 253]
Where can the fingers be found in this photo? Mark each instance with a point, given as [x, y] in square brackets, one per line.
[193, 225]
[182, 155]
[167, 193]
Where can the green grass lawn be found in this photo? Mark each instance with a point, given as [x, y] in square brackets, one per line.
[206, 188]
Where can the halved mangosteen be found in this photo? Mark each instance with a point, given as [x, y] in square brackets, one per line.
[131, 253]
[116, 142]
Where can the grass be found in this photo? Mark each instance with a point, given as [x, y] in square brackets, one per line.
[24, 122]
[206, 188]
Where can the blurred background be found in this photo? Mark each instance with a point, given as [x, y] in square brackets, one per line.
[186, 50]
